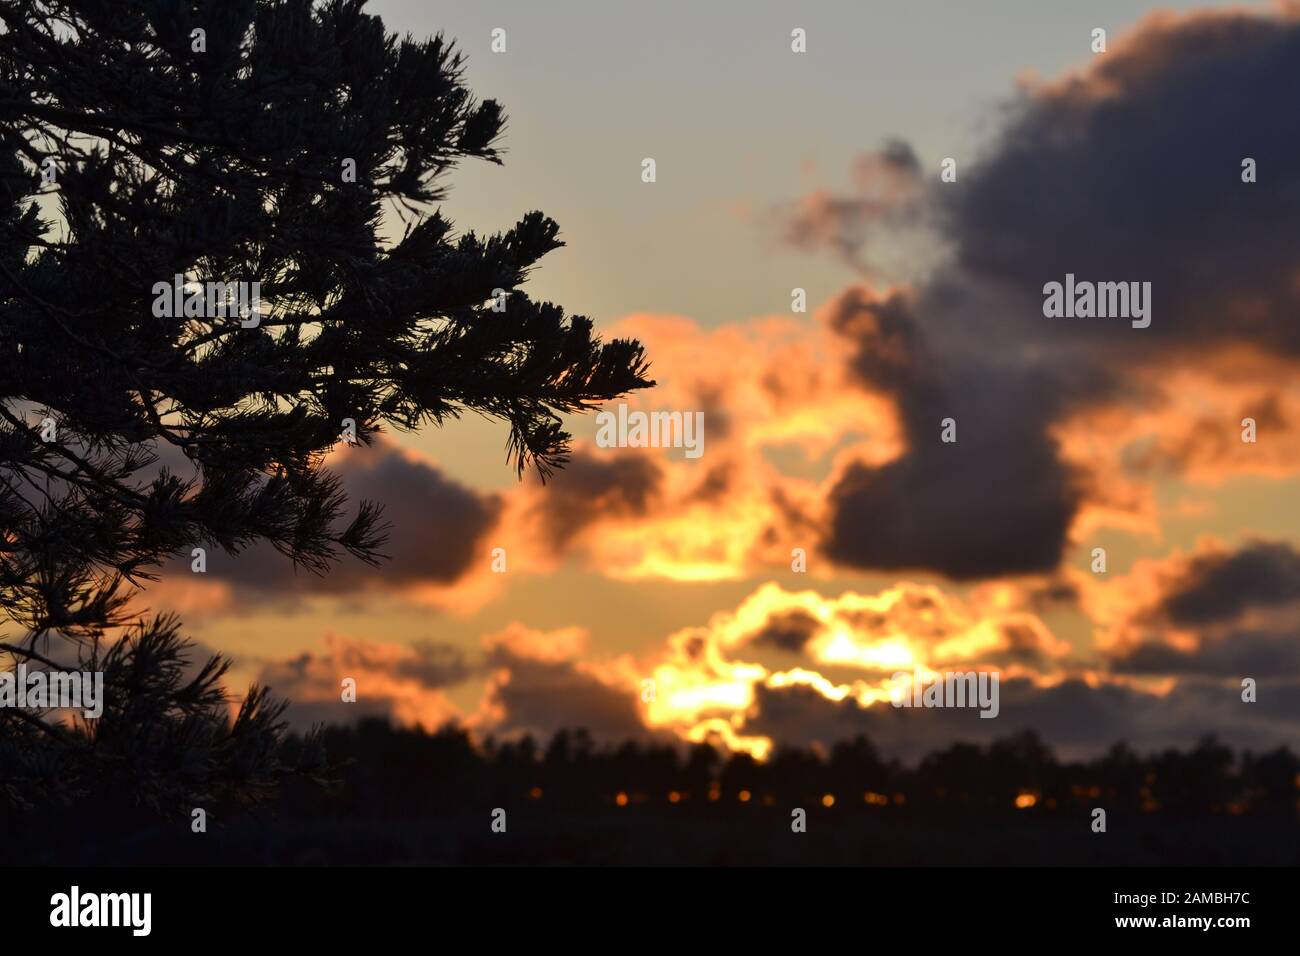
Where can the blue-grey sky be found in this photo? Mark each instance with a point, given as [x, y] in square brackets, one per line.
[735, 121]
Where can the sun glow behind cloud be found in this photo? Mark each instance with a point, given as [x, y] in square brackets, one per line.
[707, 682]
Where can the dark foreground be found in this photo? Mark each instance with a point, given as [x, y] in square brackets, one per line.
[405, 797]
[735, 837]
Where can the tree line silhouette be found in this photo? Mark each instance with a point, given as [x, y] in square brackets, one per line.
[395, 770]
[384, 794]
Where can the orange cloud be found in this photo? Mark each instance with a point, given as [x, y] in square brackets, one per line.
[404, 683]
[779, 418]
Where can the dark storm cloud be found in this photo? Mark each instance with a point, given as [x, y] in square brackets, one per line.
[1130, 171]
[1236, 653]
[1242, 608]
[996, 501]
[1133, 172]
[1221, 586]
[1077, 720]
[596, 486]
[437, 530]
[544, 696]
[438, 525]
[434, 664]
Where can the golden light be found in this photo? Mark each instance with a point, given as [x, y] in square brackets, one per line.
[743, 796]
[1025, 800]
[674, 797]
[840, 647]
[706, 731]
[535, 793]
[828, 800]
[875, 799]
[621, 799]
[799, 677]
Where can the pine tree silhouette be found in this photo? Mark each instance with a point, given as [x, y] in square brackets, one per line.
[240, 142]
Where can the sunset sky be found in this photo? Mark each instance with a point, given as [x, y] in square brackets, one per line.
[820, 171]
